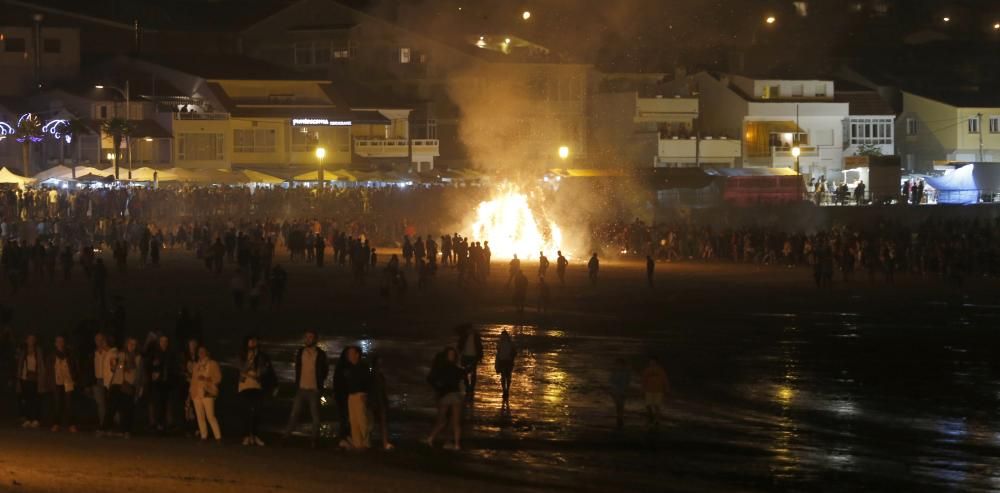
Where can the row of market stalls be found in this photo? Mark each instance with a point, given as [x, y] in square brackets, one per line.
[281, 177]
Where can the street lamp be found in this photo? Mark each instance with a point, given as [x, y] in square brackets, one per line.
[770, 19]
[563, 152]
[320, 154]
[526, 15]
[125, 94]
[796, 152]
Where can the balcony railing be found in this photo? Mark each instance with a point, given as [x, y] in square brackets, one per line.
[381, 147]
[201, 116]
[425, 147]
[781, 151]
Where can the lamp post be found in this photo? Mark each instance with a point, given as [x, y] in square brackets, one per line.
[320, 154]
[128, 143]
[563, 152]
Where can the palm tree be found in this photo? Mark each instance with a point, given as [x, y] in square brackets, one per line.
[74, 129]
[27, 132]
[118, 128]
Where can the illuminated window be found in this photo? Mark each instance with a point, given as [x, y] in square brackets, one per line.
[404, 55]
[254, 140]
[772, 92]
[871, 131]
[15, 45]
[342, 54]
[304, 140]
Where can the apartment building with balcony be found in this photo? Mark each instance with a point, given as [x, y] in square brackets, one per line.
[945, 128]
[773, 116]
[223, 112]
[637, 122]
[465, 95]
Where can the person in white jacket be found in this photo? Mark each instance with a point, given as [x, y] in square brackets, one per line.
[204, 389]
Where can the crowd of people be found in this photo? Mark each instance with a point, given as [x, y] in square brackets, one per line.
[174, 389]
[951, 249]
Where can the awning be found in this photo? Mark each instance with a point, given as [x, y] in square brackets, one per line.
[258, 177]
[59, 172]
[7, 176]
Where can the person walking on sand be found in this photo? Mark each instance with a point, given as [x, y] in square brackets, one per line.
[204, 390]
[470, 343]
[358, 379]
[445, 378]
[561, 264]
[30, 383]
[621, 377]
[654, 386]
[543, 264]
[62, 370]
[126, 385]
[378, 397]
[311, 370]
[101, 367]
[504, 363]
[593, 266]
[650, 270]
[513, 269]
[257, 380]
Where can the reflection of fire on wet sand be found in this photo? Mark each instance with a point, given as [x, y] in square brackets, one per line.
[512, 226]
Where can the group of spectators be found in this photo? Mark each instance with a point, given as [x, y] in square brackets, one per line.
[952, 249]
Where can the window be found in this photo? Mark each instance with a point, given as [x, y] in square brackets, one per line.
[199, 147]
[797, 90]
[995, 124]
[871, 131]
[102, 112]
[303, 53]
[911, 126]
[15, 45]
[52, 45]
[254, 140]
[342, 54]
[404, 55]
[321, 53]
[772, 92]
[974, 125]
[821, 90]
[304, 140]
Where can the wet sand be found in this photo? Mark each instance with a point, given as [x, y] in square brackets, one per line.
[775, 384]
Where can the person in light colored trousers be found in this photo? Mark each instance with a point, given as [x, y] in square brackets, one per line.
[204, 390]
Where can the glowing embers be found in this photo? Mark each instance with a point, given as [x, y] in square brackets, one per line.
[512, 226]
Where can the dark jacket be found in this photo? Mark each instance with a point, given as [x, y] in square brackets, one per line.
[445, 377]
[322, 367]
[356, 378]
[40, 365]
[478, 342]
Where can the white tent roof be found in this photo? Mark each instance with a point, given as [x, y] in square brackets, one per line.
[7, 176]
[59, 172]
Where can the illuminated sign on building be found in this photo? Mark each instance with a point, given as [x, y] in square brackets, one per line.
[303, 122]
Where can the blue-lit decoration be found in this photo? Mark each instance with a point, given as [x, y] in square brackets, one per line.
[5, 130]
[58, 129]
[28, 116]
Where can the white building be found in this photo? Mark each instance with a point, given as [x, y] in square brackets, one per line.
[774, 116]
